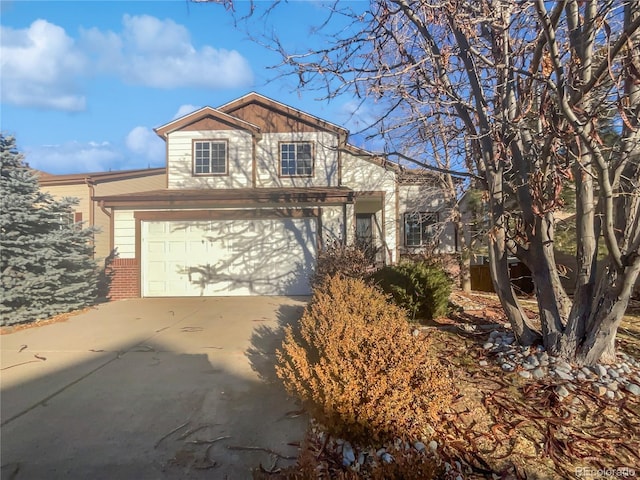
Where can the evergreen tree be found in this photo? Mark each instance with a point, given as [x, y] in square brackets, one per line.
[46, 264]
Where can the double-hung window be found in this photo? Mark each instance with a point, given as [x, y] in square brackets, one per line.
[210, 157]
[296, 159]
[419, 228]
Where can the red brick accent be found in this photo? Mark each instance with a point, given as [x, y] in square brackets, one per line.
[124, 279]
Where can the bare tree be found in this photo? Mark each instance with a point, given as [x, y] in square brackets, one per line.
[511, 93]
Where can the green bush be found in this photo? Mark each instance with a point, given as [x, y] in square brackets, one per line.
[355, 365]
[421, 288]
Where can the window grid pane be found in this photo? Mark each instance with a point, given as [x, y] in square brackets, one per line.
[296, 159]
[419, 228]
[210, 158]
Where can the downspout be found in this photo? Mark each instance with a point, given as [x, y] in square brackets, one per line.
[92, 192]
[108, 214]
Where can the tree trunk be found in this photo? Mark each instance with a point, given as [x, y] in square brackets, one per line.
[553, 303]
[464, 256]
[610, 303]
[499, 267]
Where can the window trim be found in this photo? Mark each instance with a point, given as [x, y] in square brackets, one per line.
[423, 243]
[210, 141]
[313, 159]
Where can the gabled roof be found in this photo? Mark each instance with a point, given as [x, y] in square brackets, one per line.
[200, 114]
[256, 98]
[374, 158]
[50, 179]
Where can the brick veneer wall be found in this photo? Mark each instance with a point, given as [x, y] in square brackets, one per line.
[124, 279]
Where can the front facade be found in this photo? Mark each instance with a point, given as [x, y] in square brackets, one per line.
[252, 190]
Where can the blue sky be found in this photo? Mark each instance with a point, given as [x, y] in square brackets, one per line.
[84, 83]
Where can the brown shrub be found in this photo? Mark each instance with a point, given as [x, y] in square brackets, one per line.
[354, 363]
[338, 258]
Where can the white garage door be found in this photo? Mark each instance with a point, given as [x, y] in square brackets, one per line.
[228, 257]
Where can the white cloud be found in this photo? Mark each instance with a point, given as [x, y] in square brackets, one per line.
[74, 157]
[159, 53]
[145, 143]
[185, 110]
[40, 67]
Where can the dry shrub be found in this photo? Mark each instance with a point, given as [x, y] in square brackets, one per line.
[339, 258]
[354, 363]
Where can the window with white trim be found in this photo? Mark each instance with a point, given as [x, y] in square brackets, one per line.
[419, 228]
[296, 159]
[210, 157]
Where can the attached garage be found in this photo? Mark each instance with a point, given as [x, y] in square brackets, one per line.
[272, 256]
[208, 242]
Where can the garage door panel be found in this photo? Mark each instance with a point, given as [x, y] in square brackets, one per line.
[228, 257]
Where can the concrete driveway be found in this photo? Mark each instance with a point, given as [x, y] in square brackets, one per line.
[134, 390]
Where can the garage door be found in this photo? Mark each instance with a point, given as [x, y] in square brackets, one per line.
[228, 257]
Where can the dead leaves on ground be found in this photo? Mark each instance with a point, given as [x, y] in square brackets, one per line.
[516, 428]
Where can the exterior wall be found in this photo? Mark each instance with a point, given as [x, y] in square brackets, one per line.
[325, 160]
[180, 159]
[124, 233]
[426, 198]
[79, 191]
[102, 221]
[124, 279]
[92, 215]
[332, 224]
[364, 176]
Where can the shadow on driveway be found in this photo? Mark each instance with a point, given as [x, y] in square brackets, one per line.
[144, 410]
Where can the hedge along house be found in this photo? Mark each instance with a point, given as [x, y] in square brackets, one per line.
[252, 190]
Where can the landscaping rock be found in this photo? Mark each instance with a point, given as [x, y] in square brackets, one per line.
[419, 446]
[433, 445]
[619, 379]
[348, 456]
[600, 390]
[632, 388]
[538, 373]
[387, 458]
[561, 391]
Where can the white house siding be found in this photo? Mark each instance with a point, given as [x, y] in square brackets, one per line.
[332, 223]
[102, 221]
[180, 160]
[124, 233]
[363, 175]
[426, 198]
[325, 156]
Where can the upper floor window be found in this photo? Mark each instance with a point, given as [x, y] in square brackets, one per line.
[210, 157]
[419, 228]
[296, 159]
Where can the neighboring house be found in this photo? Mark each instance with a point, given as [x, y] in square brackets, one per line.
[252, 190]
[85, 186]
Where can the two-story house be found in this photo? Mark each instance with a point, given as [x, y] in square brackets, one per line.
[253, 190]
